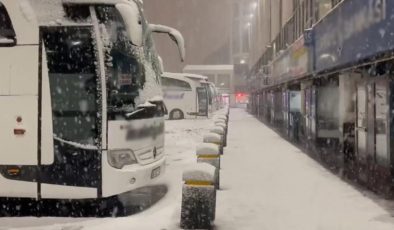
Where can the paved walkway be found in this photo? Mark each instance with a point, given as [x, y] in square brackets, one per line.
[268, 183]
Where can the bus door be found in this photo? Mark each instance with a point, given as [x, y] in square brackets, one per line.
[202, 101]
[70, 164]
[361, 124]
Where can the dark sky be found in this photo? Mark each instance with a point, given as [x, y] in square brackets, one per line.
[205, 24]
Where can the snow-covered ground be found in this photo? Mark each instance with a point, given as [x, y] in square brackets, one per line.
[266, 184]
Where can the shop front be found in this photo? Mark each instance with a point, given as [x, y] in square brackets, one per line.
[354, 42]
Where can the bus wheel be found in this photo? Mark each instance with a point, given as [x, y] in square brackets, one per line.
[176, 114]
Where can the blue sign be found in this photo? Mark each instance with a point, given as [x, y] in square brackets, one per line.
[355, 31]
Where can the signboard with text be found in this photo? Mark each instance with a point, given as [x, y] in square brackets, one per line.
[292, 63]
[355, 31]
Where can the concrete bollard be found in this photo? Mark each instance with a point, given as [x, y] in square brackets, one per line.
[198, 197]
[209, 153]
[222, 117]
[220, 123]
[214, 138]
[221, 131]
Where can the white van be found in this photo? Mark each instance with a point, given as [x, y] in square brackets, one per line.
[185, 95]
[82, 110]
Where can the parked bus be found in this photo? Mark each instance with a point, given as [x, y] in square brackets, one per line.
[82, 110]
[215, 97]
[210, 87]
[185, 96]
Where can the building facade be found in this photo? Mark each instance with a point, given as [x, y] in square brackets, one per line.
[326, 81]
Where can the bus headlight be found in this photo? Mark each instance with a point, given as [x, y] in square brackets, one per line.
[119, 158]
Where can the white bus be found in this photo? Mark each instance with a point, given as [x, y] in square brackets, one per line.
[214, 97]
[185, 95]
[82, 113]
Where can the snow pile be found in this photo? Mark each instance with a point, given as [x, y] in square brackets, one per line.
[199, 172]
[75, 144]
[146, 105]
[157, 98]
[207, 149]
[6, 40]
[131, 16]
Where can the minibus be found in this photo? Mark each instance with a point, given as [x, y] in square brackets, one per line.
[185, 95]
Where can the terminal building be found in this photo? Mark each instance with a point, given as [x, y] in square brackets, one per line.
[221, 75]
[324, 79]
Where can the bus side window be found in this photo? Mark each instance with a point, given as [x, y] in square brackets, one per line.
[7, 33]
[175, 85]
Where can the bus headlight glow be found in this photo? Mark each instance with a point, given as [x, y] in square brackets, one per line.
[119, 158]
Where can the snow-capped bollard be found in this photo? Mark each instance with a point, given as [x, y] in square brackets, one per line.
[198, 197]
[214, 139]
[209, 153]
[220, 123]
[221, 131]
[221, 118]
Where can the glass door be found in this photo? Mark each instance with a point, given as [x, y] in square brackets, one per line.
[361, 122]
[75, 105]
[381, 123]
[371, 149]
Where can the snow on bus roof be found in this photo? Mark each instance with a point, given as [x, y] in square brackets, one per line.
[94, 1]
[188, 75]
[51, 12]
[157, 98]
[208, 67]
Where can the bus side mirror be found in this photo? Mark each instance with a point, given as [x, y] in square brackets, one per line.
[174, 34]
[161, 65]
[132, 19]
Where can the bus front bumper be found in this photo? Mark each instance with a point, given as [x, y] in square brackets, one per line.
[117, 181]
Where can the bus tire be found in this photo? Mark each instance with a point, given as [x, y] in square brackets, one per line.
[176, 114]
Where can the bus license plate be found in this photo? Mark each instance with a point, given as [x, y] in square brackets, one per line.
[155, 172]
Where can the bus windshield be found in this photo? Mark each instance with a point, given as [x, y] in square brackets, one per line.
[124, 70]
